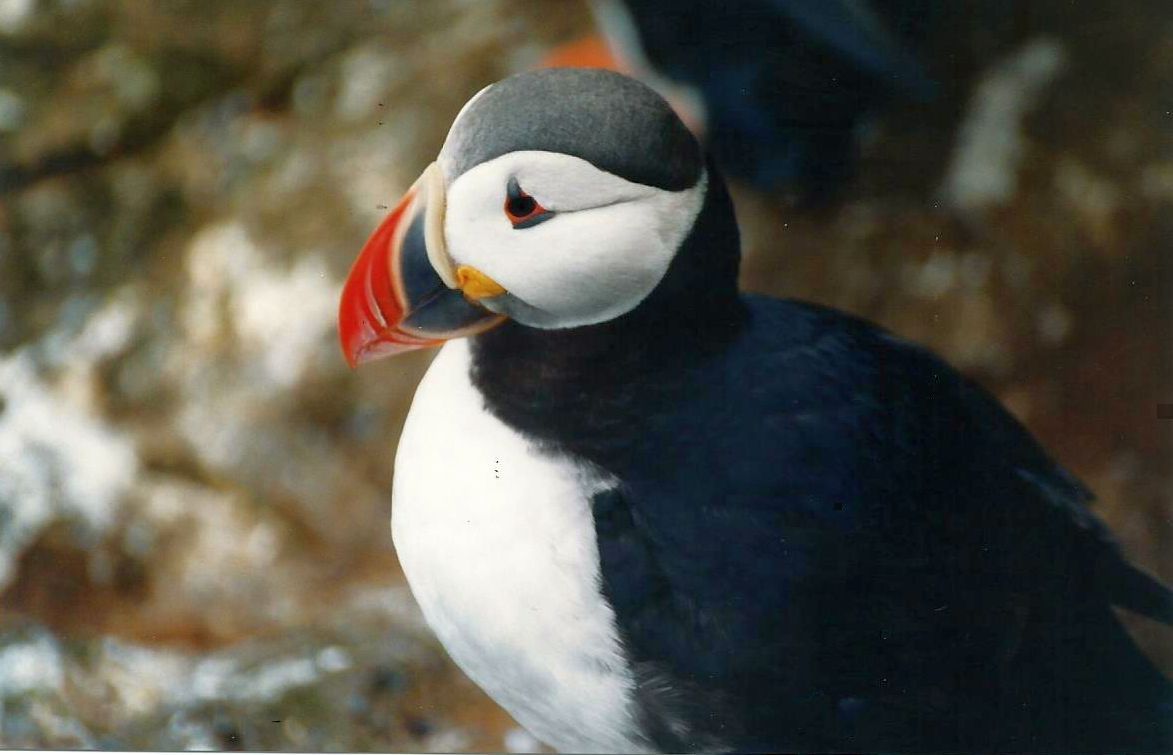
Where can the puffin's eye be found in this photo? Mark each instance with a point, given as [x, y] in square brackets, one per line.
[523, 210]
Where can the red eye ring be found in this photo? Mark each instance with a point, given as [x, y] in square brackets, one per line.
[522, 209]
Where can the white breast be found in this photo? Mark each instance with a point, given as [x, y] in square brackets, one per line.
[498, 545]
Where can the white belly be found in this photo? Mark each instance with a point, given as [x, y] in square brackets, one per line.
[498, 545]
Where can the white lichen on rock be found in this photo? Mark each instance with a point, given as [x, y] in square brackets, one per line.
[58, 462]
[990, 144]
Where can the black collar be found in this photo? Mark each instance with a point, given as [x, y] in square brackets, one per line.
[583, 389]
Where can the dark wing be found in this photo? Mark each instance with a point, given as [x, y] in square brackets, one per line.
[859, 31]
[846, 545]
[856, 31]
[1064, 501]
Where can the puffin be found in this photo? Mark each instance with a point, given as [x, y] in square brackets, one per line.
[646, 512]
[780, 90]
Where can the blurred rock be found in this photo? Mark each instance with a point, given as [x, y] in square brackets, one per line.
[194, 491]
[58, 464]
[990, 145]
[14, 14]
[298, 690]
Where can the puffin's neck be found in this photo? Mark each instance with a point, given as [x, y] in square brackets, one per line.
[576, 388]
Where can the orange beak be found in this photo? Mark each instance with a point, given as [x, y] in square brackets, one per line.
[402, 292]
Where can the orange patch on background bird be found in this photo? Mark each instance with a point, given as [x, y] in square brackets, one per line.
[587, 52]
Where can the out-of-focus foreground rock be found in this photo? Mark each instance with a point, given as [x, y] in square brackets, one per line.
[194, 490]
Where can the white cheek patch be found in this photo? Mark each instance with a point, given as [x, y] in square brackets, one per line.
[567, 184]
[607, 247]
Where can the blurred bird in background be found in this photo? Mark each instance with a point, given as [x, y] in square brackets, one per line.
[778, 89]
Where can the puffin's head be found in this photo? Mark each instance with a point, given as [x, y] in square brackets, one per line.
[559, 200]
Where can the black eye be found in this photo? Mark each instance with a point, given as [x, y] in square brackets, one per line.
[520, 207]
[523, 210]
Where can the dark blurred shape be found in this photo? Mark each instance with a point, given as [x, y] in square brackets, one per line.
[783, 85]
[387, 680]
[419, 727]
[185, 79]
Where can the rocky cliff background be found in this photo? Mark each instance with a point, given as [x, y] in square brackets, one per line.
[194, 490]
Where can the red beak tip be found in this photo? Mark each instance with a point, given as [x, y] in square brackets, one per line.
[370, 310]
[379, 348]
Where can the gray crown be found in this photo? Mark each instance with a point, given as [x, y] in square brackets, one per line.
[613, 122]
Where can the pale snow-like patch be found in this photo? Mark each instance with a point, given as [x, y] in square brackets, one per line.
[1156, 181]
[1053, 324]
[333, 659]
[252, 329]
[30, 665]
[14, 14]
[35, 672]
[209, 679]
[260, 139]
[369, 168]
[221, 556]
[1083, 188]
[213, 421]
[521, 741]
[223, 677]
[934, 278]
[447, 740]
[217, 427]
[990, 143]
[191, 735]
[134, 81]
[281, 316]
[296, 169]
[12, 110]
[225, 538]
[285, 316]
[75, 353]
[56, 462]
[366, 74]
[946, 271]
[395, 603]
[142, 679]
[220, 254]
[104, 333]
[1094, 197]
[271, 681]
